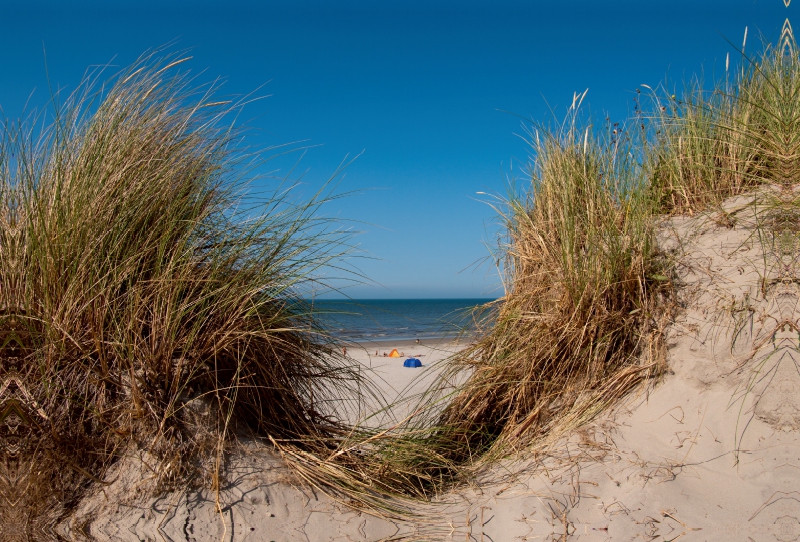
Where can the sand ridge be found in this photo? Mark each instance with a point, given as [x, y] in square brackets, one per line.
[709, 453]
[712, 453]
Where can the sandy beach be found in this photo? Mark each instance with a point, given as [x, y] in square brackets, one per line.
[400, 387]
[263, 499]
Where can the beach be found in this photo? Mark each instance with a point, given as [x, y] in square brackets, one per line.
[400, 387]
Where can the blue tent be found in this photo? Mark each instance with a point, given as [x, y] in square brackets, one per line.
[412, 362]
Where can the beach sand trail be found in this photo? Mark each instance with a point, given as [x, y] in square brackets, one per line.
[711, 452]
[401, 388]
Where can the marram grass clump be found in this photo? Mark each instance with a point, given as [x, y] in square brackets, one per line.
[577, 327]
[148, 301]
[711, 144]
[587, 290]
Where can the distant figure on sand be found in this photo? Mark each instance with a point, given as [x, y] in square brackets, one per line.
[344, 350]
[417, 341]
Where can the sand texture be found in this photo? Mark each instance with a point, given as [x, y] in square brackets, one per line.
[260, 500]
[708, 453]
[400, 387]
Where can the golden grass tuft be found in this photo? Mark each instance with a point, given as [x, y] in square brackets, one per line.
[146, 300]
[726, 141]
[578, 325]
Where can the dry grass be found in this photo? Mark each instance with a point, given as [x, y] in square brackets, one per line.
[713, 144]
[146, 301]
[587, 290]
[577, 327]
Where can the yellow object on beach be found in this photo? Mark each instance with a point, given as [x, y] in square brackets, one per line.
[394, 353]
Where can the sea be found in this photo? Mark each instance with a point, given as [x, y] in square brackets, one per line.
[398, 319]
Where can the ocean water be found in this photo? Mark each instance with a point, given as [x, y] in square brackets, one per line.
[397, 319]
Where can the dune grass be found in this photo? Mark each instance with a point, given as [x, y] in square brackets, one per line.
[149, 301]
[715, 143]
[577, 327]
[587, 290]
[151, 298]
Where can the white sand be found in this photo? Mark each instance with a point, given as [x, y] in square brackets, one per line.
[711, 453]
[401, 387]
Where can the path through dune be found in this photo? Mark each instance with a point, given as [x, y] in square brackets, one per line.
[709, 453]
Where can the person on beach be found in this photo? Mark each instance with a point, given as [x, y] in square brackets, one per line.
[344, 350]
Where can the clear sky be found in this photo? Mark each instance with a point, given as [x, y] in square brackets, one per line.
[428, 90]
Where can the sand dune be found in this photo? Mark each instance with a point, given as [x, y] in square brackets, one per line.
[709, 453]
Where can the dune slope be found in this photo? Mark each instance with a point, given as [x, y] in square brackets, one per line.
[709, 453]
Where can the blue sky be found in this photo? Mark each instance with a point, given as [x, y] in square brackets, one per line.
[428, 90]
